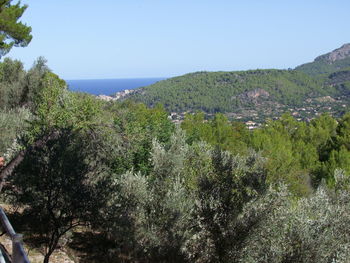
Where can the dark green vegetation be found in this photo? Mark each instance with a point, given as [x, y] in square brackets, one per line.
[147, 190]
[308, 91]
[13, 32]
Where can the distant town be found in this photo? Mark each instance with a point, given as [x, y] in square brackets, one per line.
[256, 116]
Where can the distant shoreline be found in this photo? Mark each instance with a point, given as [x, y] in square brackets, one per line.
[109, 86]
[117, 79]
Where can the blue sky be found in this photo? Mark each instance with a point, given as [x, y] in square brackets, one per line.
[85, 39]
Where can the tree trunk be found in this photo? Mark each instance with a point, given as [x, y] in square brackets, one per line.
[52, 245]
[47, 256]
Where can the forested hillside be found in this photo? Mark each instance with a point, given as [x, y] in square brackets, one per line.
[228, 91]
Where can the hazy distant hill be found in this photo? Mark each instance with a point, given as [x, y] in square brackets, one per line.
[226, 91]
[320, 86]
[336, 60]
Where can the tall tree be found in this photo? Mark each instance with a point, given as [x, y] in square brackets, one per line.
[12, 32]
[54, 186]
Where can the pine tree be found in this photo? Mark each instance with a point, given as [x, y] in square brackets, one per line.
[12, 32]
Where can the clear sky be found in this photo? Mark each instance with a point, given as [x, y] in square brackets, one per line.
[86, 39]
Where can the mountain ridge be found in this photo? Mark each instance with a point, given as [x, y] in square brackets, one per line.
[335, 55]
[328, 63]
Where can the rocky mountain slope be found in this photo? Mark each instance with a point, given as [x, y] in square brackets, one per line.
[338, 59]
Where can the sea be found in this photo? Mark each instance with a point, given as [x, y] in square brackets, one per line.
[109, 86]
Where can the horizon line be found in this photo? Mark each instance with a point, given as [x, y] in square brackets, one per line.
[119, 78]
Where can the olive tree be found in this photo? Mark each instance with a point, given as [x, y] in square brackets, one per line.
[53, 177]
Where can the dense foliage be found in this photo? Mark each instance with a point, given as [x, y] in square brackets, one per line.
[18, 91]
[203, 191]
